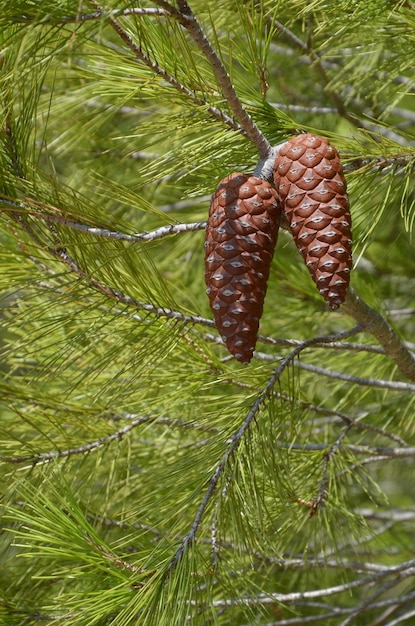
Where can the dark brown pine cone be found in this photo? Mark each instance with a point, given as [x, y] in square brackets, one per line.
[309, 180]
[240, 239]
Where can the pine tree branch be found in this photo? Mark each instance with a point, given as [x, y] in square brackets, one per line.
[400, 572]
[86, 17]
[195, 30]
[29, 617]
[372, 322]
[331, 449]
[292, 37]
[403, 617]
[159, 71]
[239, 435]
[236, 440]
[357, 423]
[297, 564]
[169, 8]
[360, 425]
[337, 611]
[350, 378]
[340, 106]
[102, 442]
[86, 448]
[280, 341]
[394, 515]
[358, 380]
[383, 455]
[56, 218]
[323, 492]
[117, 295]
[408, 116]
[313, 110]
[214, 539]
[380, 129]
[336, 345]
[383, 164]
[401, 312]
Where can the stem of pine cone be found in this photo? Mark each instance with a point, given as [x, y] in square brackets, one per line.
[373, 322]
[266, 164]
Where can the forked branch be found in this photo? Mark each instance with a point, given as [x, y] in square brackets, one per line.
[239, 435]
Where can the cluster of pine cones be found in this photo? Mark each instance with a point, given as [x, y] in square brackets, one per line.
[242, 232]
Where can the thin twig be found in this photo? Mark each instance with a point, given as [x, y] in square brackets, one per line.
[314, 110]
[118, 296]
[358, 380]
[46, 457]
[331, 449]
[158, 233]
[184, 204]
[400, 572]
[383, 455]
[401, 312]
[336, 611]
[402, 618]
[214, 538]
[395, 515]
[280, 341]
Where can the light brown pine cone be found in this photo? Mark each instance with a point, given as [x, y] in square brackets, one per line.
[309, 180]
[240, 239]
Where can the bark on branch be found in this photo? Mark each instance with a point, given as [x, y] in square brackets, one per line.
[373, 322]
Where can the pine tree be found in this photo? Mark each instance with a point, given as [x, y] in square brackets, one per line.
[148, 477]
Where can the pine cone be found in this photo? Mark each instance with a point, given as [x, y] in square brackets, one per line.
[309, 180]
[240, 239]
